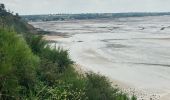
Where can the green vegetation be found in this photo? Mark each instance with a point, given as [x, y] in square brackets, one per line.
[31, 70]
[17, 64]
[14, 21]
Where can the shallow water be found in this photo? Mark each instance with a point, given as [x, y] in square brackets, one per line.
[134, 51]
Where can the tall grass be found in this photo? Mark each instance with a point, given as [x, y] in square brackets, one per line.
[17, 64]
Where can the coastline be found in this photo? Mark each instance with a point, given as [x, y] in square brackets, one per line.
[124, 87]
[136, 60]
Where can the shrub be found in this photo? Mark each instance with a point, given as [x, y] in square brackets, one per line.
[17, 63]
[35, 42]
[57, 56]
[70, 76]
[48, 71]
[99, 88]
[64, 91]
[53, 63]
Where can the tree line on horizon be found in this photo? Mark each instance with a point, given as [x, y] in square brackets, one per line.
[62, 17]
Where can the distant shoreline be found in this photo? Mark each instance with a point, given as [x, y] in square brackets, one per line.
[63, 17]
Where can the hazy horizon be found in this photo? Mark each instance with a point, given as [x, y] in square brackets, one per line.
[89, 13]
[36, 7]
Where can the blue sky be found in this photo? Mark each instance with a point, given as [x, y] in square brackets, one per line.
[86, 6]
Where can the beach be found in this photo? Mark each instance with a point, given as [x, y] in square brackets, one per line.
[133, 52]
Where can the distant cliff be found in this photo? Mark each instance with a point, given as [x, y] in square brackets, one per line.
[8, 19]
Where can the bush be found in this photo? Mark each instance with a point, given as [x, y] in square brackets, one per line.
[99, 88]
[17, 64]
[68, 85]
[35, 42]
[57, 56]
[65, 91]
[71, 76]
[48, 71]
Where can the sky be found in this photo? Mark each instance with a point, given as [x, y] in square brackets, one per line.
[27, 7]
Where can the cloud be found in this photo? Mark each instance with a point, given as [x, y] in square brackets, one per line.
[85, 6]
